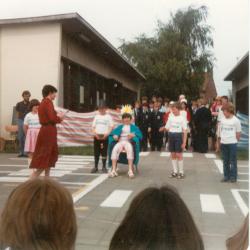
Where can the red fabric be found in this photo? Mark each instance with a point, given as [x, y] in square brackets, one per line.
[165, 117]
[46, 151]
[188, 116]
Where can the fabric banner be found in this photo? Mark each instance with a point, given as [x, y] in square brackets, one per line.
[76, 128]
[244, 139]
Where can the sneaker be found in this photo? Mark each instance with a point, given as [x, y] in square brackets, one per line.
[181, 176]
[104, 170]
[233, 180]
[173, 175]
[94, 170]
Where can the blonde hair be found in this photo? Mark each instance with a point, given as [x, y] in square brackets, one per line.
[38, 215]
[229, 107]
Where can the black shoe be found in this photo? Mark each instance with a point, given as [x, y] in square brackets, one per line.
[104, 170]
[224, 180]
[94, 170]
[233, 180]
[20, 155]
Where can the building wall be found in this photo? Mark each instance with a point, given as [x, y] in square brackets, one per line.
[29, 58]
[80, 54]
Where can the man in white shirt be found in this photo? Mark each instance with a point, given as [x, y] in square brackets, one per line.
[102, 126]
[229, 132]
[177, 136]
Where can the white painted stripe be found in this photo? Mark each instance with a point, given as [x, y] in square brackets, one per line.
[11, 165]
[211, 203]
[18, 159]
[116, 199]
[188, 155]
[144, 153]
[4, 172]
[242, 205]
[74, 183]
[76, 156]
[219, 165]
[75, 160]
[52, 173]
[13, 179]
[97, 181]
[242, 166]
[210, 156]
[241, 173]
[239, 180]
[72, 163]
[165, 154]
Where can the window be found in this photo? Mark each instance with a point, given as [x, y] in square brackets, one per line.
[81, 94]
[97, 98]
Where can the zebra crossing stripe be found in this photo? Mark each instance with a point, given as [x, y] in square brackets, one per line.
[219, 165]
[144, 153]
[116, 199]
[165, 154]
[211, 203]
[210, 156]
[242, 205]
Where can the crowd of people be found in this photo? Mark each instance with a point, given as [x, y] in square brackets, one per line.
[153, 124]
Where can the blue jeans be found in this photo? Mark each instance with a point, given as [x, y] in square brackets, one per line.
[21, 136]
[229, 154]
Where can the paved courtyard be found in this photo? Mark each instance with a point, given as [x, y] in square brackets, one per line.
[100, 203]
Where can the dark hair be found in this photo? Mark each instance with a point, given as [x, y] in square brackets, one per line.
[39, 214]
[126, 115]
[26, 92]
[157, 219]
[224, 97]
[33, 103]
[48, 89]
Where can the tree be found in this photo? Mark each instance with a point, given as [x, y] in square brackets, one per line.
[175, 59]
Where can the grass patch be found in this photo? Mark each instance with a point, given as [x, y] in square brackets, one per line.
[83, 150]
[243, 155]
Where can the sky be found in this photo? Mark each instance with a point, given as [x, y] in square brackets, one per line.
[126, 19]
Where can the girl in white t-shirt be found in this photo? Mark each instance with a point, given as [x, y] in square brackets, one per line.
[177, 136]
[31, 127]
[229, 132]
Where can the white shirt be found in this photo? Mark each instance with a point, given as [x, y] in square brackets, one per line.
[102, 123]
[32, 120]
[176, 124]
[125, 133]
[228, 128]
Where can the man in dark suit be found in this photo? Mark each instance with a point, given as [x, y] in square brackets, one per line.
[144, 126]
[156, 123]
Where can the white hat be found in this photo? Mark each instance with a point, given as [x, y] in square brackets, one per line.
[184, 100]
[171, 103]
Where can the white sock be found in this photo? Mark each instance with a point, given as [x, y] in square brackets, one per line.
[180, 164]
[174, 163]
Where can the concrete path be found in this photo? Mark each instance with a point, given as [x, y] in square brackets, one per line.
[101, 203]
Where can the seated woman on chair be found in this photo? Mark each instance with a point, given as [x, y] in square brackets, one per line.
[124, 135]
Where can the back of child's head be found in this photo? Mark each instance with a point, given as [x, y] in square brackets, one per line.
[39, 214]
[157, 219]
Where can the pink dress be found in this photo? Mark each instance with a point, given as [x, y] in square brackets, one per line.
[32, 121]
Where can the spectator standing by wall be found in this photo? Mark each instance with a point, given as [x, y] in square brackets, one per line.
[22, 108]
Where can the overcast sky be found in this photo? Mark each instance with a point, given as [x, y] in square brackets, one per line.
[116, 19]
